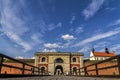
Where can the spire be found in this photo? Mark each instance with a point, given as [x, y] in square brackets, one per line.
[93, 50]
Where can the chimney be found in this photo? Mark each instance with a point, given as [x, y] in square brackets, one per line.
[106, 50]
[93, 50]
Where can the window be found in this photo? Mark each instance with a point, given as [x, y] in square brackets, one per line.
[74, 60]
[43, 59]
[96, 58]
[59, 60]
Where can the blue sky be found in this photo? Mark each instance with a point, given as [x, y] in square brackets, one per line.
[29, 26]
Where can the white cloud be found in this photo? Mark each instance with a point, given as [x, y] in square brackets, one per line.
[15, 19]
[66, 45]
[47, 50]
[85, 49]
[36, 37]
[101, 44]
[13, 26]
[67, 37]
[92, 8]
[117, 22]
[97, 37]
[32, 57]
[53, 26]
[115, 47]
[51, 45]
[79, 30]
[110, 8]
[20, 57]
[59, 24]
[19, 41]
[72, 20]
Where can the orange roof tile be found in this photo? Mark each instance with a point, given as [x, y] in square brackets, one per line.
[104, 54]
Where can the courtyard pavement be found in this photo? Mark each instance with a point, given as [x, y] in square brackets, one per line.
[59, 78]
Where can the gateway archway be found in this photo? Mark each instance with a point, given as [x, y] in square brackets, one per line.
[58, 70]
[58, 66]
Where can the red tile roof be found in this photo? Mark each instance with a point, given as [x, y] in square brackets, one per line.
[104, 54]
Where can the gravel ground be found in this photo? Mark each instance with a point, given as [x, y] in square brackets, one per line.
[59, 78]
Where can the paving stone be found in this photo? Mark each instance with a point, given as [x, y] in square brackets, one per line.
[60, 78]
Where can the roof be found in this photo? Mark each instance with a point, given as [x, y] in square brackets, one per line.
[23, 60]
[60, 53]
[104, 54]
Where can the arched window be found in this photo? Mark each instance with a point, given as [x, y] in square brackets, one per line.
[58, 60]
[74, 59]
[75, 69]
[42, 69]
[43, 59]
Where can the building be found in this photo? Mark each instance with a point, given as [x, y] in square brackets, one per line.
[101, 55]
[59, 63]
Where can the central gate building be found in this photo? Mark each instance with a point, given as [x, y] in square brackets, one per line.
[58, 63]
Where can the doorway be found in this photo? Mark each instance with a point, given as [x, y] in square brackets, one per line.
[59, 70]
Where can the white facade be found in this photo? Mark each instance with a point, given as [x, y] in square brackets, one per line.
[92, 57]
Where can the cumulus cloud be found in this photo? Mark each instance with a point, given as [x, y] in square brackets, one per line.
[32, 57]
[49, 50]
[92, 8]
[20, 57]
[51, 45]
[67, 37]
[98, 37]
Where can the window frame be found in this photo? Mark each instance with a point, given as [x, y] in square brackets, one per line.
[74, 59]
[43, 59]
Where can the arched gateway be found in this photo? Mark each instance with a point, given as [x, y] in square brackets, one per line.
[58, 68]
[59, 63]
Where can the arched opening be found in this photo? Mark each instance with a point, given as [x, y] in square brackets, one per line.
[74, 70]
[42, 70]
[58, 70]
[59, 60]
[74, 59]
[43, 59]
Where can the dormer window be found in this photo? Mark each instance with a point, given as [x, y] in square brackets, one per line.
[74, 60]
[43, 59]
